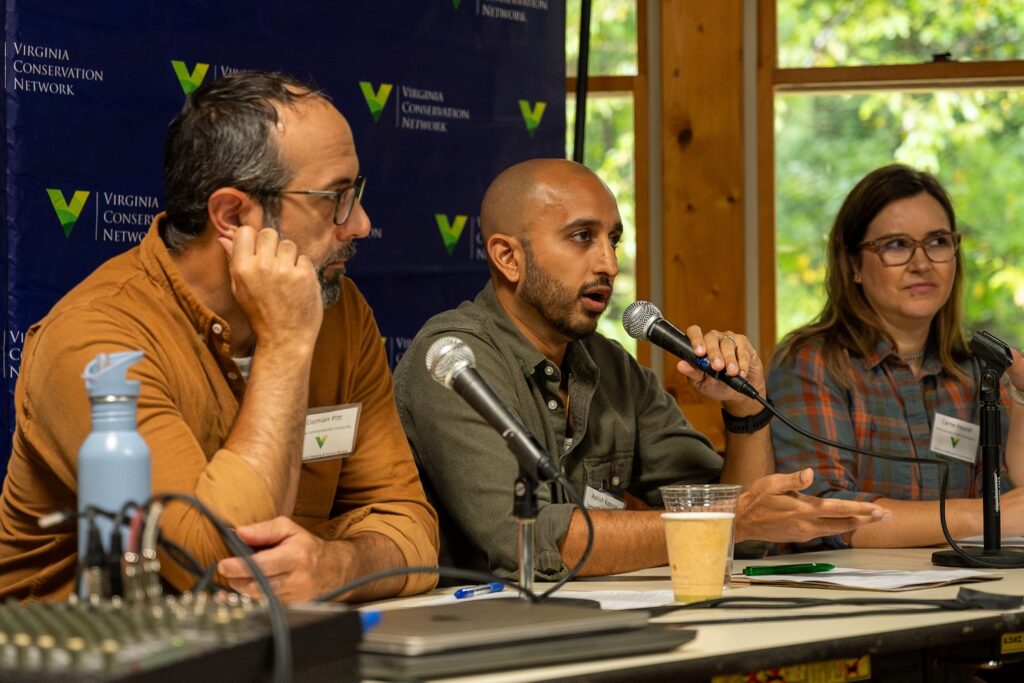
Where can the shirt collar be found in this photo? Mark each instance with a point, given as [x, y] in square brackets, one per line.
[886, 352]
[161, 269]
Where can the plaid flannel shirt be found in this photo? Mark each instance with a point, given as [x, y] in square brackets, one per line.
[888, 410]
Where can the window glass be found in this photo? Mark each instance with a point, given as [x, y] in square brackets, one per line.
[609, 151]
[821, 33]
[613, 41]
[973, 140]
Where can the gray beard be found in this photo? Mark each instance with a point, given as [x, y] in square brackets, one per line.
[330, 286]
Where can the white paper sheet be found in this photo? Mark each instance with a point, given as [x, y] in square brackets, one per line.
[874, 580]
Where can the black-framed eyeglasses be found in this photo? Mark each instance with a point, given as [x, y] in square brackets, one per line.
[897, 250]
[344, 200]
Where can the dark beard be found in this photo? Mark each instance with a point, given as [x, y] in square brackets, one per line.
[330, 285]
[556, 303]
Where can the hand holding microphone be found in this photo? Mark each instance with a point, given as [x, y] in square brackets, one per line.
[643, 320]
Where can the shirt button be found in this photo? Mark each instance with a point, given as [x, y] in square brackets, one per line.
[615, 481]
[217, 328]
[553, 404]
[232, 375]
[548, 370]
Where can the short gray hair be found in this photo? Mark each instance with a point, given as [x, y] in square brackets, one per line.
[221, 138]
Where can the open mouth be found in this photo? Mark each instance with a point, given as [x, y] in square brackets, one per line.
[596, 299]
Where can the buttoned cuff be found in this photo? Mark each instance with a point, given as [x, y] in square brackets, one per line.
[393, 521]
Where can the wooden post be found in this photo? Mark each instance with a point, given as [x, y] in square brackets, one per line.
[702, 163]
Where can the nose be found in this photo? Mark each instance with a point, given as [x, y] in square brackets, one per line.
[356, 227]
[608, 261]
[919, 259]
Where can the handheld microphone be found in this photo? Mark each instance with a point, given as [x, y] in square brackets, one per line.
[451, 363]
[643, 320]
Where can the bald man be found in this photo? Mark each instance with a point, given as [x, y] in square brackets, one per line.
[551, 228]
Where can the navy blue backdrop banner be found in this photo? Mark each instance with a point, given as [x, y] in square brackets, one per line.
[441, 95]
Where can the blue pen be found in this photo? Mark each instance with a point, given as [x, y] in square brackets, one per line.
[483, 589]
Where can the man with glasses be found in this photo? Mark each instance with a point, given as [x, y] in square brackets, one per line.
[886, 366]
[265, 389]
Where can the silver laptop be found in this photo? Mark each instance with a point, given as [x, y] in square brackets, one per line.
[476, 623]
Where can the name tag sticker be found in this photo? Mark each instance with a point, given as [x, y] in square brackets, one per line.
[330, 432]
[601, 500]
[956, 438]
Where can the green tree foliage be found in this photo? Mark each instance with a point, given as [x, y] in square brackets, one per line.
[973, 140]
[859, 32]
[613, 45]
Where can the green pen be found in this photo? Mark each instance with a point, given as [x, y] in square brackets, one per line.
[788, 569]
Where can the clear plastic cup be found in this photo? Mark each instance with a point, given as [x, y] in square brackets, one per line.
[705, 498]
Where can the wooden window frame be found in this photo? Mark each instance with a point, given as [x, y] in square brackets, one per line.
[771, 79]
[636, 85]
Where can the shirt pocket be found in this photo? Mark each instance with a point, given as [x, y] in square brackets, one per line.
[610, 473]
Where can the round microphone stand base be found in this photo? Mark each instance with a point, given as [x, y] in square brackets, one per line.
[1010, 558]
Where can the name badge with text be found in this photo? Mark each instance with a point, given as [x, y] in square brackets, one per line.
[330, 432]
[601, 500]
[956, 438]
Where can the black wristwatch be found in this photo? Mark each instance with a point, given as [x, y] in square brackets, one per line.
[748, 424]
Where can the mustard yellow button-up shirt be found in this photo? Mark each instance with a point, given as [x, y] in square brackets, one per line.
[191, 390]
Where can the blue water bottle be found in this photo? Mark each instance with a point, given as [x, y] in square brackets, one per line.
[113, 462]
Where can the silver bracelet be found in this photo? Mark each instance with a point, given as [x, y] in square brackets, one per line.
[1017, 395]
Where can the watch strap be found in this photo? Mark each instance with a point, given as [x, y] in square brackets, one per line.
[748, 424]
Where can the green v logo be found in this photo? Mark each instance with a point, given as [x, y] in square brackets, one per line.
[456, 3]
[532, 114]
[376, 100]
[67, 213]
[451, 231]
[190, 81]
[320, 440]
[955, 440]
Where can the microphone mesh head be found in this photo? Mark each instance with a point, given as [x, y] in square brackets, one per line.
[637, 318]
[446, 356]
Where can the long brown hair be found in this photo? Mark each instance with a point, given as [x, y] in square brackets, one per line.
[847, 322]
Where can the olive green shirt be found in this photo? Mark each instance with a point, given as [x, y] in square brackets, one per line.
[627, 434]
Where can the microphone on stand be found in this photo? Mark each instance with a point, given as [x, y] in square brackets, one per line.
[643, 320]
[451, 363]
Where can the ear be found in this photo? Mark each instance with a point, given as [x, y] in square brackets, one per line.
[228, 208]
[506, 255]
[855, 265]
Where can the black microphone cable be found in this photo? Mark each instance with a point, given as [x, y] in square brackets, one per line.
[641, 316]
[280, 634]
[472, 574]
[448, 356]
[941, 464]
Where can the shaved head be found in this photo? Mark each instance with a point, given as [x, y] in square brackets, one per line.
[551, 227]
[516, 195]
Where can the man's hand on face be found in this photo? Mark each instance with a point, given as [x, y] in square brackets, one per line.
[299, 565]
[730, 352]
[772, 510]
[276, 288]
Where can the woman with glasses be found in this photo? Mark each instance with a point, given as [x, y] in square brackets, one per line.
[886, 366]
